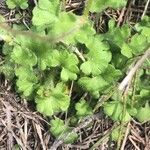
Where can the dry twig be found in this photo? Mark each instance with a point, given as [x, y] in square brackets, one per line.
[127, 80]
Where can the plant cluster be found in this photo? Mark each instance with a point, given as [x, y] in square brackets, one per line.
[63, 56]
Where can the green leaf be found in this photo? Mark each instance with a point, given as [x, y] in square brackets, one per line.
[109, 107]
[95, 94]
[138, 44]
[60, 130]
[125, 117]
[57, 127]
[23, 56]
[16, 147]
[115, 135]
[48, 58]
[121, 34]
[144, 27]
[144, 93]
[93, 84]
[111, 74]
[119, 61]
[47, 106]
[132, 111]
[85, 34]
[69, 62]
[26, 73]
[66, 75]
[100, 5]
[4, 34]
[71, 29]
[27, 80]
[45, 13]
[71, 138]
[7, 69]
[143, 113]
[54, 100]
[25, 86]
[36, 50]
[126, 50]
[111, 25]
[23, 4]
[83, 108]
[129, 45]
[97, 58]
[146, 32]
[65, 27]
[114, 109]
[86, 67]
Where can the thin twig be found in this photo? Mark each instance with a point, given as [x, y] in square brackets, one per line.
[46, 38]
[133, 70]
[9, 117]
[39, 132]
[79, 54]
[145, 9]
[136, 147]
[120, 19]
[86, 121]
[104, 137]
[125, 136]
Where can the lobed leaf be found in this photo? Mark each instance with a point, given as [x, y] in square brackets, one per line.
[143, 113]
[53, 101]
[93, 84]
[98, 58]
[26, 81]
[60, 130]
[45, 13]
[23, 4]
[100, 5]
[23, 56]
[83, 108]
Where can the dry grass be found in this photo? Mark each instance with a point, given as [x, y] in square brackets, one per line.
[21, 125]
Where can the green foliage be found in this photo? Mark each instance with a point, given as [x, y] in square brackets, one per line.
[8, 70]
[62, 56]
[57, 127]
[100, 5]
[143, 27]
[23, 4]
[83, 108]
[128, 43]
[4, 35]
[60, 130]
[115, 135]
[69, 66]
[23, 56]
[26, 80]
[53, 100]
[115, 110]
[111, 74]
[97, 58]
[143, 113]
[137, 44]
[45, 13]
[94, 84]
[65, 26]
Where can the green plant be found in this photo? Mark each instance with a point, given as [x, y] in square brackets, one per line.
[23, 4]
[66, 49]
[60, 130]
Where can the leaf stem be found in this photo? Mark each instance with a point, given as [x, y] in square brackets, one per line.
[87, 8]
